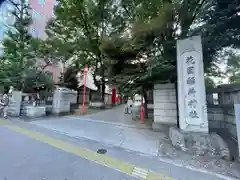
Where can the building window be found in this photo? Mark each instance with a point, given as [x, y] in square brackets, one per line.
[35, 32]
[42, 2]
[36, 15]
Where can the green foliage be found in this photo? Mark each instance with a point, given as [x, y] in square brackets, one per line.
[18, 56]
[82, 25]
[59, 43]
[36, 79]
[87, 21]
[133, 43]
[209, 83]
[219, 27]
[155, 27]
[19, 65]
[233, 67]
[70, 78]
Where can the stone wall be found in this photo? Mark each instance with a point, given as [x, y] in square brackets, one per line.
[108, 99]
[150, 105]
[62, 100]
[221, 115]
[15, 103]
[220, 106]
[94, 97]
[87, 96]
[165, 108]
[222, 118]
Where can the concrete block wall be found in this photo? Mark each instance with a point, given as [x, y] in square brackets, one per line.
[61, 100]
[150, 105]
[15, 103]
[87, 100]
[215, 117]
[221, 114]
[108, 99]
[222, 118]
[165, 108]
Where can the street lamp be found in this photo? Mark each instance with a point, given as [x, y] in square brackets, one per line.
[84, 89]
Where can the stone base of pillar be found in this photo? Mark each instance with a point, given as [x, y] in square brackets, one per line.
[136, 113]
[96, 104]
[159, 127]
[200, 143]
[35, 111]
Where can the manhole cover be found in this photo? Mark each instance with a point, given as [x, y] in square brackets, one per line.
[101, 151]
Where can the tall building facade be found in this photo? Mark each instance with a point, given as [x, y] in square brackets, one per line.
[42, 11]
[6, 19]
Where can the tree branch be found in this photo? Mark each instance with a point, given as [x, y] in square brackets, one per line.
[15, 5]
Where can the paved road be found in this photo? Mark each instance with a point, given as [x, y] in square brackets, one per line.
[23, 158]
[31, 153]
[106, 133]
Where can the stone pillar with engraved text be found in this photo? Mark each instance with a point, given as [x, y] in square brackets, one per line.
[191, 86]
[193, 135]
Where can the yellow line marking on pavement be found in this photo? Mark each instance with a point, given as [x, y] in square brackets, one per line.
[156, 176]
[105, 160]
[139, 172]
[2, 123]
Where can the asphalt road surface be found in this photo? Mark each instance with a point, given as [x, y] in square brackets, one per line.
[31, 153]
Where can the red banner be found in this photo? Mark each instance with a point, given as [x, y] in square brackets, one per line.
[114, 96]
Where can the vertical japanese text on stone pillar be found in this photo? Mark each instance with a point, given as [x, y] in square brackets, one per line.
[190, 84]
[191, 80]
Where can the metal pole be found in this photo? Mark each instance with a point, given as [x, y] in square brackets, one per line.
[84, 93]
[237, 120]
[176, 90]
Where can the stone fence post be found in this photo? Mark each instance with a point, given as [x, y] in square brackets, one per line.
[15, 101]
[237, 118]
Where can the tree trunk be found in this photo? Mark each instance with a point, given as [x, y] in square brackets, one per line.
[146, 103]
[90, 95]
[176, 90]
[78, 94]
[103, 92]
[103, 84]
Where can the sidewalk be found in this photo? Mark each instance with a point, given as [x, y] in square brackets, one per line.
[116, 158]
[125, 136]
[116, 116]
[114, 128]
[143, 141]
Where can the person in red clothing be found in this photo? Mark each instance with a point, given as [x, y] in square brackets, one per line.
[118, 100]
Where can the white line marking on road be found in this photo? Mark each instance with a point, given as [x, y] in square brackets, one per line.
[142, 173]
[107, 122]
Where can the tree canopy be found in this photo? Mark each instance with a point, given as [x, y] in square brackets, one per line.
[233, 67]
[21, 52]
[156, 25]
[84, 24]
[132, 44]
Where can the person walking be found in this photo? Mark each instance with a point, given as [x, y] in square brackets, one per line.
[4, 102]
[128, 107]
